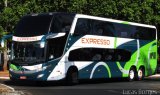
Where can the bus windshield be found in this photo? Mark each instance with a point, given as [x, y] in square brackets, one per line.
[27, 52]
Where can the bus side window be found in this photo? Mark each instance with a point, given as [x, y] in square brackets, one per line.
[97, 27]
[102, 28]
[122, 55]
[54, 50]
[109, 29]
[78, 55]
[82, 27]
[116, 55]
[98, 54]
[146, 33]
[99, 31]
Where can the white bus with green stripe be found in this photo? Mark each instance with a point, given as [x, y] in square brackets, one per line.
[56, 46]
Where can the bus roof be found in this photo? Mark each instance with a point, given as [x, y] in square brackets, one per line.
[113, 20]
[95, 17]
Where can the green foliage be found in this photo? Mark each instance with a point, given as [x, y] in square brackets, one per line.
[142, 11]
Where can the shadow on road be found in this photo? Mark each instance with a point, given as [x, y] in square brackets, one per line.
[62, 82]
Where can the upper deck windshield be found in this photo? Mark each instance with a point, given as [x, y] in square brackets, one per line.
[33, 25]
[29, 52]
[43, 24]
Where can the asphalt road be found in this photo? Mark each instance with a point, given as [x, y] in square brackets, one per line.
[149, 86]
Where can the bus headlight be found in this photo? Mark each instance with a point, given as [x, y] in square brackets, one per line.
[10, 69]
[42, 69]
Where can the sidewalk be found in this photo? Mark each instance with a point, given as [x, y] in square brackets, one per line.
[4, 89]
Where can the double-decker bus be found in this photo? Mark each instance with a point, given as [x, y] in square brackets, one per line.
[56, 46]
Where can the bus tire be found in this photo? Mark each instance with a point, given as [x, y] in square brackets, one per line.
[132, 74]
[72, 77]
[141, 73]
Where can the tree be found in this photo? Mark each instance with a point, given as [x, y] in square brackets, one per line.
[141, 11]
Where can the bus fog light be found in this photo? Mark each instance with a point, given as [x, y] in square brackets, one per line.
[45, 67]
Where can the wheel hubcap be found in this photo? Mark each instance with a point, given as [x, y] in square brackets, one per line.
[131, 74]
[140, 74]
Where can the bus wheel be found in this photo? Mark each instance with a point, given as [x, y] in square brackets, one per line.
[132, 74]
[140, 74]
[72, 77]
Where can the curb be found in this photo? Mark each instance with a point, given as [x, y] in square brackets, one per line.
[154, 76]
[4, 78]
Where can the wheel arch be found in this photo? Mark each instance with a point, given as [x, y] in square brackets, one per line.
[135, 68]
[72, 68]
[72, 75]
[143, 67]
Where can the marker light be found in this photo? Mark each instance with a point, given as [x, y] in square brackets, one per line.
[42, 44]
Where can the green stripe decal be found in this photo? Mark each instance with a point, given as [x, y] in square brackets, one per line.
[125, 22]
[108, 69]
[115, 42]
[100, 64]
[124, 71]
[118, 64]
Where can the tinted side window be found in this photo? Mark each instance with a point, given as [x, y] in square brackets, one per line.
[125, 30]
[82, 27]
[55, 47]
[152, 33]
[102, 28]
[134, 32]
[98, 54]
[145, 33]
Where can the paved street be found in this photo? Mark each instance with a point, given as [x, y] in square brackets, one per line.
[149, 86]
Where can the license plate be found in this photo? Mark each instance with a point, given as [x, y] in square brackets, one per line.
[23, 77]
